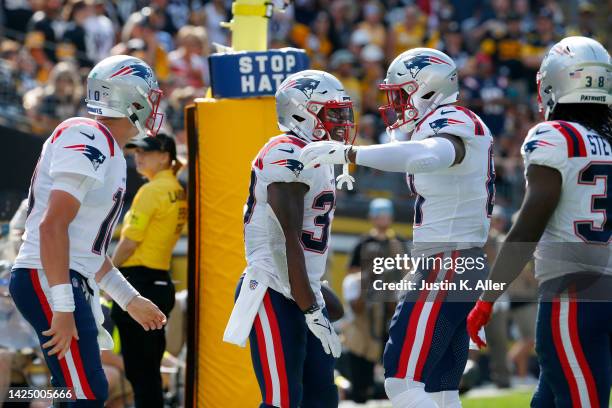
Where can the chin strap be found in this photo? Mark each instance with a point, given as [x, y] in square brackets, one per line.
[134, 119]
[345, 177]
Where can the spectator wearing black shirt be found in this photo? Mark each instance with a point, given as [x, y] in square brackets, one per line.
[486, 94]
[366, 330]
[61, 97]
[75, 36]
[41, 28]
[381, 240]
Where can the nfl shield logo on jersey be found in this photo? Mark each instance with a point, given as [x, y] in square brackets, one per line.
[253, 284]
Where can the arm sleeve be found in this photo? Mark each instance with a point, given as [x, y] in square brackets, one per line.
[137, 219]
[421, 156]
[74, 184]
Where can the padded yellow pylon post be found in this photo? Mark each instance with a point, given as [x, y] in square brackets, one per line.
[249, 26]
[230, 133]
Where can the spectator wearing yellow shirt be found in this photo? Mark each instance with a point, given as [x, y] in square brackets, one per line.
[506, 46]
[372, 24]
[410, 33]
[150, 230]
[342, 65]
[537, 44]
[587, 24]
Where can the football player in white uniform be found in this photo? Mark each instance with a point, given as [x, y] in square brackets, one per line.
[567, 212]
[449, 162]
[75, 200]
[287, 219]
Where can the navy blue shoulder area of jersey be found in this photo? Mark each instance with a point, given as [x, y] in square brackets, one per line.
[554, 129]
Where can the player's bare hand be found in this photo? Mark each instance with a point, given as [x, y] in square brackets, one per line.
[146, 313]
[62, 331]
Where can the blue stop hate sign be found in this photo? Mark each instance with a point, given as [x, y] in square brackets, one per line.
[249, 74]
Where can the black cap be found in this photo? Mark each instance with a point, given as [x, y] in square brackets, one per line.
[159, 143]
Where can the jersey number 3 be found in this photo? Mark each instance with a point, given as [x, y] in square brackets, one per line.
[324, 201]
[600, 203]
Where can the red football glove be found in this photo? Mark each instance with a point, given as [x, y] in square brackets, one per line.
[478, 317]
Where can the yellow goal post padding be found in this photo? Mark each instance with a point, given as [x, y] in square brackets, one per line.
[224, 135]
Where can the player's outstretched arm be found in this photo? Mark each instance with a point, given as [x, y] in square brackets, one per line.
[54, 254]
[421, 156]
[287, 202]
[541, 199]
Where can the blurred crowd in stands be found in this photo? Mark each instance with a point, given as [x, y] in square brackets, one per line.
[48, 46]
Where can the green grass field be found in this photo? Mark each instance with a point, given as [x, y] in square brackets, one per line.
[516, 399]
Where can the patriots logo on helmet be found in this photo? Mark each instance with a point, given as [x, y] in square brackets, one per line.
[534, 144]
[139, 70]
[416, 64]
[562, 50]
[438, 124]
[94, 155]
[295, 166]
[306, 85]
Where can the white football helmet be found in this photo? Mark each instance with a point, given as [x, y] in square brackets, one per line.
[125, 86]
[313, 105]
[575, 70]
[418, 81]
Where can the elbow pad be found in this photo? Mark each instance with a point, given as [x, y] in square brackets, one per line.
[431, 154]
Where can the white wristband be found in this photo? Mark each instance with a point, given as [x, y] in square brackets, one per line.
[62, 299]
[118, 288]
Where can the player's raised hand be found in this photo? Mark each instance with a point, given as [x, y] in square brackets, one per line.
[62, 330]
[321, 327]
[324, 152]
[146, 313]
[479, 316]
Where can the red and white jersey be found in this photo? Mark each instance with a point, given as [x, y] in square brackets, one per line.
[453, 205]
[82, 147]
[278, 162]
[577, 236]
